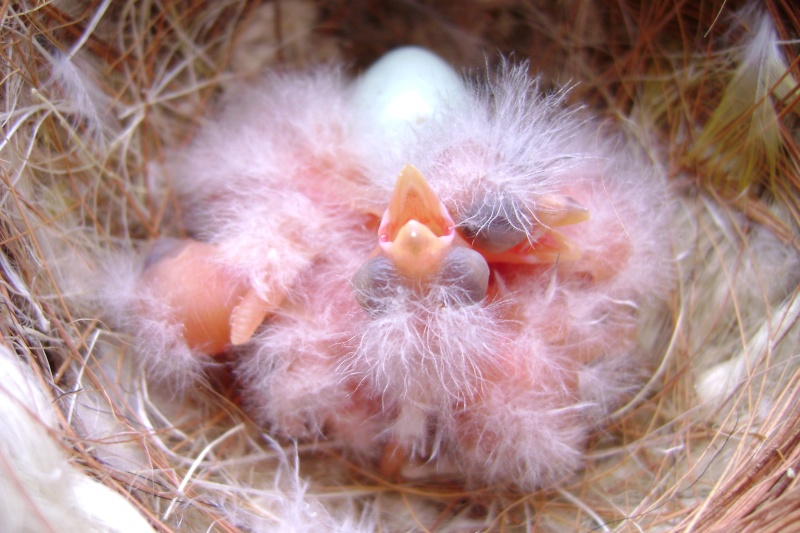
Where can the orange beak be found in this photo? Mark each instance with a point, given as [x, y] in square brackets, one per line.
[548, 244]
[416, 230]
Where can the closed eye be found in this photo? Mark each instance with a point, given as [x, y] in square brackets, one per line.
[466, 274]
[496, 226]
[375, 284]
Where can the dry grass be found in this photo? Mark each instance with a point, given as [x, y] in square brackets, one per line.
[76, 177]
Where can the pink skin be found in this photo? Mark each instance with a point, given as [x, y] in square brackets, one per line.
[201, 293]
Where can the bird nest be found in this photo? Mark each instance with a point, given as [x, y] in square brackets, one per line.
[97, 94]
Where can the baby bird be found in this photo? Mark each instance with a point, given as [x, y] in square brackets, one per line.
[418, 268]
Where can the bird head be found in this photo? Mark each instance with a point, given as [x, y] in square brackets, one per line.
[419, 248]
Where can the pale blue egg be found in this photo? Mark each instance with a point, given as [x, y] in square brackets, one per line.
[404, 90]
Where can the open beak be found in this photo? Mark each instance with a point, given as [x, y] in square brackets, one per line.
[546, 244]
[416, 230]
[560, 210]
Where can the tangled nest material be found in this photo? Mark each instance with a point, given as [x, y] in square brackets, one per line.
[711, 443]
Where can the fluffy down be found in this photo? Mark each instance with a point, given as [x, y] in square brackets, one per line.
[287, 186]
[42, 490]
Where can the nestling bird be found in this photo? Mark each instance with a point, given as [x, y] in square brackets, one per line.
[414, 266]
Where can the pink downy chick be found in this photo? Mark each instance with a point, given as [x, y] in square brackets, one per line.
[487, 321]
